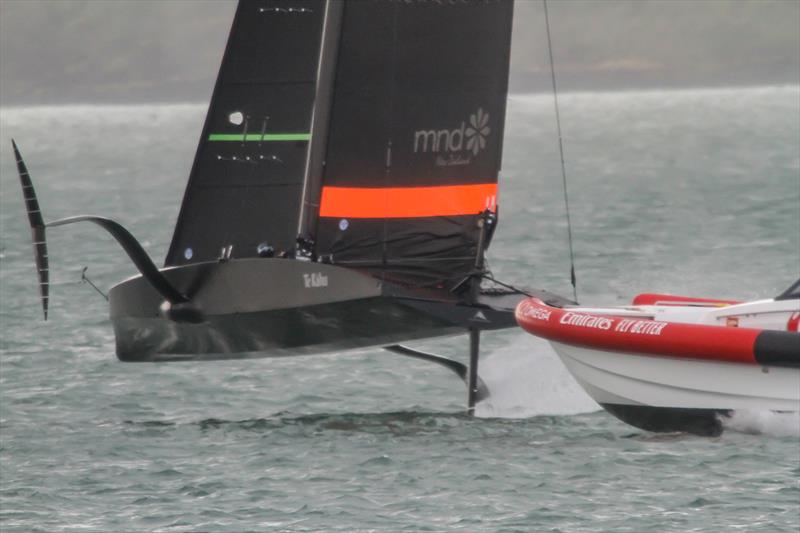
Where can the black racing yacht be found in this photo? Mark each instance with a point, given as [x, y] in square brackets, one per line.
[343, 193]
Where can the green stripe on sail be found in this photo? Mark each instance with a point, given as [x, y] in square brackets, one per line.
[257, 137]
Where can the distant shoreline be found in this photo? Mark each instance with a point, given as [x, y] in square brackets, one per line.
[511, 96]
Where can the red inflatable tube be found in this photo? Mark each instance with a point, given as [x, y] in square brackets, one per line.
[670, 299]
[636, 335]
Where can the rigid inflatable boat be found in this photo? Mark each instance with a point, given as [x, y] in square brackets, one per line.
[674, 363]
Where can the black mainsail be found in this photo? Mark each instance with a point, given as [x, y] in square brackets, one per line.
[246, 184]
[406, 101]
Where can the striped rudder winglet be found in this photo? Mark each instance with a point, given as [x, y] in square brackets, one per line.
[37, 229]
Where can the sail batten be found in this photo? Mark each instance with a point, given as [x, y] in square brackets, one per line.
[257, 137]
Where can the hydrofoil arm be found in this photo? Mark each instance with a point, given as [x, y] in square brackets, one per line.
[482, 391]
[132, 247]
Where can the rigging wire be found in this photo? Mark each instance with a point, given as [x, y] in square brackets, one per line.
[561, 153]
[85, 279]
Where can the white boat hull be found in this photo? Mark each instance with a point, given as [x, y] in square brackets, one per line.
[675, 394]
[675, 363]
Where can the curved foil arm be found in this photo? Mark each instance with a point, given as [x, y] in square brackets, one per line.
[128, 242]
[135, 251]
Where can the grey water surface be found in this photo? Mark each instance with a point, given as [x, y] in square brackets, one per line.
[689, 192]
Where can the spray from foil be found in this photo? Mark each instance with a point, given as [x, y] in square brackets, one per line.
[763, 423]
[526, 378]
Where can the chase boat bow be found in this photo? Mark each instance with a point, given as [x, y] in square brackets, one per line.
[671, 363]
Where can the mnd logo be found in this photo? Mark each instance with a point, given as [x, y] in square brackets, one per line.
[478, 131]
[454, 145]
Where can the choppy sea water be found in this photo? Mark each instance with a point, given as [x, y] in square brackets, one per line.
[694, 192]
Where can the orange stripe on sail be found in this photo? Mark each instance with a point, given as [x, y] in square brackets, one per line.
[407, 202]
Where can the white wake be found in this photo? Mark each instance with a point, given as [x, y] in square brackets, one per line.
[764, 423]
[526, 378]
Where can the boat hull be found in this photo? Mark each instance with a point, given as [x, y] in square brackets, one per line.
[673, 394]
[703, 422]
[289, 331]
[250, 308]
[663, 375]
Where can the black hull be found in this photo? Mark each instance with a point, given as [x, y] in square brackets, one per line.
[703, 422]
[252, 308]
[276, 333]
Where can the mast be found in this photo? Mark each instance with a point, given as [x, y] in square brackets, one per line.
[315, 162]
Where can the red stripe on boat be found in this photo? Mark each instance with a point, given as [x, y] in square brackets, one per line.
[637, 335]
[407, 202]
[669, 299]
